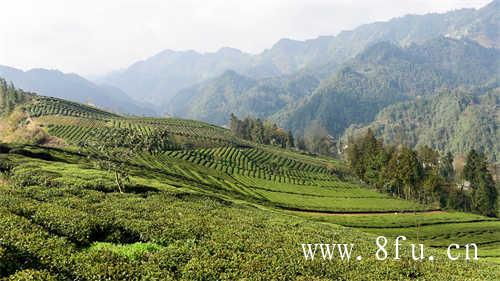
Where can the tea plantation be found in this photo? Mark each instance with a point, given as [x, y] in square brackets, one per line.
[202, 204]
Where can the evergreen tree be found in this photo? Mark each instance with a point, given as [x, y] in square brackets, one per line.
[354, 155]
[432, 187]
[368, 158]
[446, 167]
[484, 193]
[290, 142]
[471, 166]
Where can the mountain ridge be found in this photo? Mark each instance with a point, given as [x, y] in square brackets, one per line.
[287, 56]
[73, 87]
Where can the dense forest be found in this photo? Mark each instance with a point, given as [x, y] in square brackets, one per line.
[425, 175]
[215, 99]
[456, 121]
[385, 74]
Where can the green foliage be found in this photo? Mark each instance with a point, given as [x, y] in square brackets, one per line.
[201, 204]
[418, 175]
[31, 275]
[446, 167]
[154, 135]
[367, 158]
[484, 197]
[10, 97]
[133, 251]
[215, 99]
[194, 230]
[385, 74]
[261, 132]
[455, 121]
[41, 106]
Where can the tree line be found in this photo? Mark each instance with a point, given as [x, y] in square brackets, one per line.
[424, 175]
[262, 132]
[315, 139]
[10, 97]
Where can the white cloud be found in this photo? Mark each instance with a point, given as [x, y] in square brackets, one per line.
[95, 36]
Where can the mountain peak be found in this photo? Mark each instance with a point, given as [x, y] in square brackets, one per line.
[229, 51]
[380, 51]
[287, 44]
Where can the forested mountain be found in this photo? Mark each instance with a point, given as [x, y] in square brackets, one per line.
[75, 88]
[385, 74]
[214, 100]
[160, 77]
[455, 121]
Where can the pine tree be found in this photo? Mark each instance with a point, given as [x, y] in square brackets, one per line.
[484, 193]
[484, 200]
[470, 168]
[411, 173]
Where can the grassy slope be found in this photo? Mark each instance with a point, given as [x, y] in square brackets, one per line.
[184, 229]
[210, 213]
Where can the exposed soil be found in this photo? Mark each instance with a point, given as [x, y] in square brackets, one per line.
[368, 213]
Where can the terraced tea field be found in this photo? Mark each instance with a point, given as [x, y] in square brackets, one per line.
[41, 106]
[209, 207]
[272, 176]
[76, 129]
[435, 229]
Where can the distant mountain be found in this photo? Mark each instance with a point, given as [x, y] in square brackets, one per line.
[158, 78]
[75, 88]
[381, 75]
[385, 74]
[214, 100]
[455, 121]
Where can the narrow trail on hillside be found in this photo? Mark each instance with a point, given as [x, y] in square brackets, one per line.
[327, 213]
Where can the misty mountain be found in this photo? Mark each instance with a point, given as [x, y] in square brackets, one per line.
[385, 74]
[381, 75]
[158, 78]
[214, 100]
[75, 88]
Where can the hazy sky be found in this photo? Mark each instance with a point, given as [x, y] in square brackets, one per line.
[97, 36]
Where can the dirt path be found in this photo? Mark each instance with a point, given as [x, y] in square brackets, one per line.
[325, 213]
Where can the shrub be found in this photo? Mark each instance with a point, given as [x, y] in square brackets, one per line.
[31, 275]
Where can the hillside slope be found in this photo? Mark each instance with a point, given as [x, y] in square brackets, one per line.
[455, 121]
[384, 74]
[214, 100]
[200, 204]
